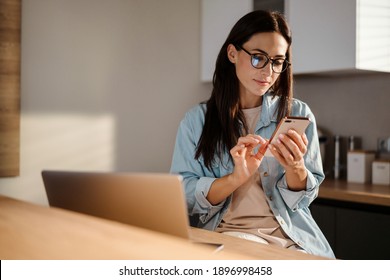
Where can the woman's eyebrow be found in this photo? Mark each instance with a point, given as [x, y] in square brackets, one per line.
[264, 52]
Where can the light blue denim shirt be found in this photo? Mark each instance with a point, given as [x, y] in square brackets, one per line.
[291, 208]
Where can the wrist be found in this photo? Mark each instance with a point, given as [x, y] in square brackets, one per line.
[296, 178]
[233, 181]
[298, 170]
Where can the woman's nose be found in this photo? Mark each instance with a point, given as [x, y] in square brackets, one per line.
[267, 70]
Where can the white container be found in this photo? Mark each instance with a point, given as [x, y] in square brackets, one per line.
[359, 166]
[381, 172]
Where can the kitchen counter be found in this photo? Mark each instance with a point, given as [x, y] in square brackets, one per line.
[342, 190]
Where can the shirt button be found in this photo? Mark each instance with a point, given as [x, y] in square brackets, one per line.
[270, 197]
[265, 174]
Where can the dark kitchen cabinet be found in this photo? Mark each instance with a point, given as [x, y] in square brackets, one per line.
[354, 230]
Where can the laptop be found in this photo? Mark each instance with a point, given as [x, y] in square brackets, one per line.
[149, 200]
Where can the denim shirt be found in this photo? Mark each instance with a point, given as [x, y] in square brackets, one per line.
[291, 208]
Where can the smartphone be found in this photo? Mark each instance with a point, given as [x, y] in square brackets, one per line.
[299, 124]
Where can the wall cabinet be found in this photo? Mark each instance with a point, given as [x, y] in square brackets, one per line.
[329, 36]
[340, 36]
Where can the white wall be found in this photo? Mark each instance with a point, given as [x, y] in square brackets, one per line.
[104, 86]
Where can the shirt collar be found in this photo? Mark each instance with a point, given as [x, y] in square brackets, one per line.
[268, 110]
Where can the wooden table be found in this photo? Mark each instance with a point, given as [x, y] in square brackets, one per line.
[29, 231]
[355, 192]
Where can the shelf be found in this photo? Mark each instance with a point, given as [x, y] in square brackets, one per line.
[354, 192]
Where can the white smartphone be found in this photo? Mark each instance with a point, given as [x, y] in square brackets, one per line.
[299, 124]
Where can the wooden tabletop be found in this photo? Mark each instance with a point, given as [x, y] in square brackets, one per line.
[354, 192]
[29, 231]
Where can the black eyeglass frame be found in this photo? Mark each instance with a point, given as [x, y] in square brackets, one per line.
[252, 55]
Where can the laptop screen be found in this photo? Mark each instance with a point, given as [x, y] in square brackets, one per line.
[153, 201]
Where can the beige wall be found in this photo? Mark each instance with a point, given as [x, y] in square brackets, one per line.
[105, 84]
[353, 104]
[348, 105]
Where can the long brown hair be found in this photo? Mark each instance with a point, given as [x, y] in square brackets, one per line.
[224, 116]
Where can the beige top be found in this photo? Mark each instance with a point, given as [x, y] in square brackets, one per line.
[249, 211]
[251, 117]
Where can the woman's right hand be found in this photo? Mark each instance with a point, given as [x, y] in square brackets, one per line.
[246, 162]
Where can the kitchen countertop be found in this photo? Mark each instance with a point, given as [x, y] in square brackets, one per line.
[342, 190]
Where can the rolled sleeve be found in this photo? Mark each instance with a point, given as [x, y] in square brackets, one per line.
[209, 210]
[299, 199]
[291, 198]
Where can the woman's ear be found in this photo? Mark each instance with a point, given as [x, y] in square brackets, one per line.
[232, 53]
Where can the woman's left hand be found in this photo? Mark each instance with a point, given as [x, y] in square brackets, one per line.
[289, 150]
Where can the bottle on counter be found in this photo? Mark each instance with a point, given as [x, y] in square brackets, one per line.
[336, 168]
[351, 143]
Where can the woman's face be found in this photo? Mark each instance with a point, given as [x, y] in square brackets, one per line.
[254, 83]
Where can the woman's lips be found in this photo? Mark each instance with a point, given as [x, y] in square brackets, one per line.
[262, 83]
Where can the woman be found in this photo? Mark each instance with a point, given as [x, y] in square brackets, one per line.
[230, 186]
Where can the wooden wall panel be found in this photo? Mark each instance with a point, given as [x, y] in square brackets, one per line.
[10, 24]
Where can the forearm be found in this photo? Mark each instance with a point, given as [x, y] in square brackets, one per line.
[221, 188]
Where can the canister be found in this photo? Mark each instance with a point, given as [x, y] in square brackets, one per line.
[381, 172]
[359, 166]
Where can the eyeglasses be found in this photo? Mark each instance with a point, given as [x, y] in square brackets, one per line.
[260, 60]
